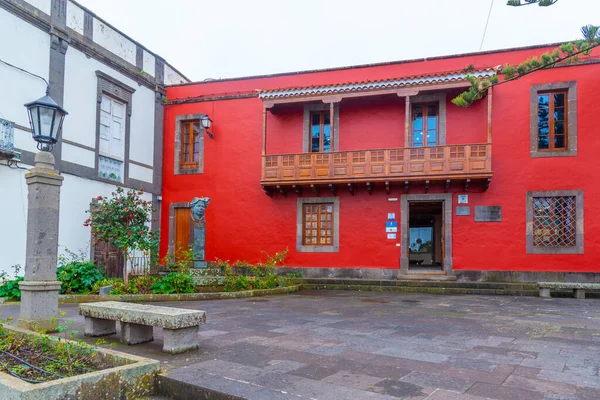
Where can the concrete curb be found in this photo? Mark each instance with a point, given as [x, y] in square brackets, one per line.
[91, 298]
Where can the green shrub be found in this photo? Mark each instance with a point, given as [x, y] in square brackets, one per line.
[236, 283]
[174, 282]
[144, 283]
[78, 277]
[10, 289]
[105, 282]
[121, 287]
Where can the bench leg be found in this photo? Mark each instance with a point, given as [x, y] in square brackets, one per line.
[544, 292]
[99, 327]
[180, 340]
[135, 333]
[580, 293]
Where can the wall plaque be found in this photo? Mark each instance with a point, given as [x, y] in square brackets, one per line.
[463, 210]
[488, 214]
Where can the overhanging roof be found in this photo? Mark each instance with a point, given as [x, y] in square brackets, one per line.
[368, 85]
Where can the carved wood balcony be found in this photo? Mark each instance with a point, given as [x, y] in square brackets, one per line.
[464, 162]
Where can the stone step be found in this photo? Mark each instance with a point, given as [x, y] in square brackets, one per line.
[188, 387]
[424, 289]
[423, 284]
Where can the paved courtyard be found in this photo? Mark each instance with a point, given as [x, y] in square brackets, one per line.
[355, 345]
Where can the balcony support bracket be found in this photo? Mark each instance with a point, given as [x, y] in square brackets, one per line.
[369, 188]
[297, 189]
[332, 188]
[427, 186]
[351, 189]
[387, 187]
[282, 190]
[315, 189]
[447, 185]
[267, 190]
[486, 184]
[467, 183]
[406, 186]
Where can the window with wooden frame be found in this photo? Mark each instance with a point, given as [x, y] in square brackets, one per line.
[425, 124]
[320, 132]
[552, 126]
[318, 228]
[190, 144]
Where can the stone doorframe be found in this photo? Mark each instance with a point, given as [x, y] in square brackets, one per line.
[404, 221]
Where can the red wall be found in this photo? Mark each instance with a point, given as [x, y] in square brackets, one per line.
[242, 221]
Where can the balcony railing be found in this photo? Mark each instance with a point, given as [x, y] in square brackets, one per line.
[465, 161]
[7, 140]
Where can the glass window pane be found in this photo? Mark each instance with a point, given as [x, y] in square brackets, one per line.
[559, 128]
[431, 137]
[543, 129]
[431, 122]
[326, 133]
[559, 141]
[543, 100]
[542, 142]
[418, 139]
[559, 100]
[543, 115]
[559, 113]
[315, 133]
[432, 110]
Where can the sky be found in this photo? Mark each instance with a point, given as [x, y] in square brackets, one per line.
[232, 38]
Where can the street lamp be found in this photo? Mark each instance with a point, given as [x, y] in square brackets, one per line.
[206, 123]
[46, 119]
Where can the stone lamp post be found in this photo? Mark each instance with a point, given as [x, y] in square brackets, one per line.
[39, 290]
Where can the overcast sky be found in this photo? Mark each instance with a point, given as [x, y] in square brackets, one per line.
[228, 38]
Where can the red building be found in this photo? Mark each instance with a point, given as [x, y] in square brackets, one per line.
[372, 171]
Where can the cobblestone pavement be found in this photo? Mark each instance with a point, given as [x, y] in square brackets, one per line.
[355, 345]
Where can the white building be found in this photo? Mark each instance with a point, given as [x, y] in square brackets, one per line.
[113, 89]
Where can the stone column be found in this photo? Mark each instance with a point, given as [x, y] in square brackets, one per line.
[39, 290]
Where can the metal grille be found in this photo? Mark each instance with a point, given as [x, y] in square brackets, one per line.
[554, 221]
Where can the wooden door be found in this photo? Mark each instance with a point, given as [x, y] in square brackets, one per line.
[443, 233]
[183, 228]
[108, 257]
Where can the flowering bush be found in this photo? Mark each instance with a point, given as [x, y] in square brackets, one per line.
[123, 219]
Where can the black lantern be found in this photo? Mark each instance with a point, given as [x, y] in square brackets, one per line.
[206, 123]
[46, 119]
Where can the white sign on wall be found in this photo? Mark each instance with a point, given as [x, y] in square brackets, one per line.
[463, 199]
[391, 236]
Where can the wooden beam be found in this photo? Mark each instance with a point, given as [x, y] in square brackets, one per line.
[427, 186]
[447, 185]
[467, 183]
[297, 189]
[369, 188]
[489, 116]
[406, 186]
[406, 121]
[264, 133]
[332, 126]
[332, 188]
[282, 190]
[387, 187]
[267, 190]
[351, 189]
[315, 189]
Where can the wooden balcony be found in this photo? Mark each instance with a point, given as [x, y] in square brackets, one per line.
[465, 162]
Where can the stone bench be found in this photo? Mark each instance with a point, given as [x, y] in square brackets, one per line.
[578, 288]
[180, 326]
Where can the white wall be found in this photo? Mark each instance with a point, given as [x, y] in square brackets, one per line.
[13, 204]
[75, 17]
[80, 99]
[27, 47]
[76, 195]
[113, 41]
[172, 77]
[42, 5]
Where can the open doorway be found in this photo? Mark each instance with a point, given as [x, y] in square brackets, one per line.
[425, 236]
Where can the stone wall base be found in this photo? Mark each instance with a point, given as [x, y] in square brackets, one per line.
[461, 275]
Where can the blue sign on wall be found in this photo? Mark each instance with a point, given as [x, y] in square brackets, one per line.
[391, 224]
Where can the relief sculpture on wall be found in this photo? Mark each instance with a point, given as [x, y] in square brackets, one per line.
[198, 207]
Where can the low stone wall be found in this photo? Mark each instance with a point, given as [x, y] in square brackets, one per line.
[91, 298]
[526, 276]
[131, 377]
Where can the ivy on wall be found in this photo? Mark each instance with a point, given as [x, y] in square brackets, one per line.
[565, 54]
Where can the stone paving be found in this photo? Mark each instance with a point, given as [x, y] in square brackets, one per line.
[355, 345]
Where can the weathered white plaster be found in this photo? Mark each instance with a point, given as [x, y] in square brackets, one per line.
[78, 155]
[113, 41]
[27, 47]
[141, 142]
[140, 173]
[42, 5]
[75, 16]
[23, 140]
[13, 202]
[149, 63]
[172, 77]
